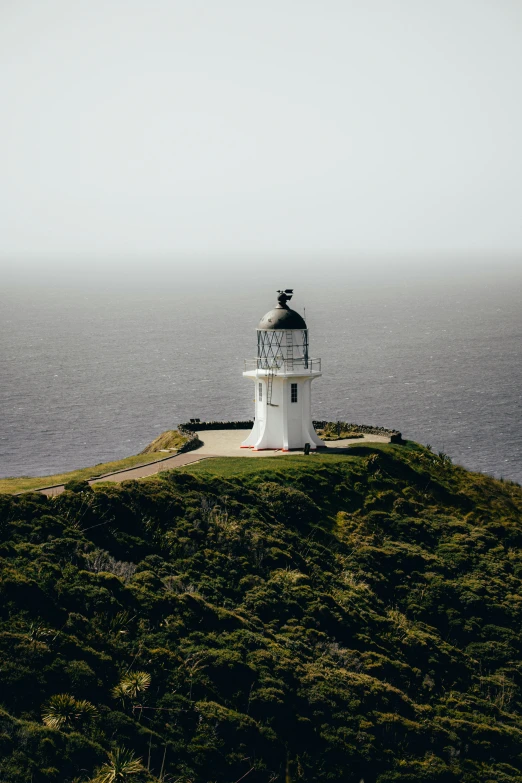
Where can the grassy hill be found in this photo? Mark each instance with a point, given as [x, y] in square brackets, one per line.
[301, 619]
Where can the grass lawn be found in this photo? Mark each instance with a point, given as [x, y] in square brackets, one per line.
[227, 467]
[24, 483]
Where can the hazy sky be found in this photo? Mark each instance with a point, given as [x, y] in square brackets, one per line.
[276, 126]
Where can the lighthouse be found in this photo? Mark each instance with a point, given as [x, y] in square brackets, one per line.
[282, 373]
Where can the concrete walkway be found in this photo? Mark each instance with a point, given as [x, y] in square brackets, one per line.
[215, 443]
[176, 461]
[227, 443]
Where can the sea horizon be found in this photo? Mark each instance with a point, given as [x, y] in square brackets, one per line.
[94, 369]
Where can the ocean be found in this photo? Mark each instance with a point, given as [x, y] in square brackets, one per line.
[93, 371]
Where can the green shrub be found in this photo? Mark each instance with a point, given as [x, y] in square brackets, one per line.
[78, 486]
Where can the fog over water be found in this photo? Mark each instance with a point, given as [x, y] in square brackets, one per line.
[93, 369]
[173, 126]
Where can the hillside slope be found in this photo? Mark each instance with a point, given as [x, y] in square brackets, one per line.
[302, 619]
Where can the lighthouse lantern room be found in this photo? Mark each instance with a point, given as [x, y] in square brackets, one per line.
[282, 373]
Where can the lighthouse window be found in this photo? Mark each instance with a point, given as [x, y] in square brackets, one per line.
[293, 392]
[260, 392]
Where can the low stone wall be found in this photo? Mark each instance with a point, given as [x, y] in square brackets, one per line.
[394, 435]
[193, 441]
[189, 430]
[194, 426]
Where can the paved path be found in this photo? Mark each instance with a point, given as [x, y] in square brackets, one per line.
[226, 443]
[215, 443]
[176, 461]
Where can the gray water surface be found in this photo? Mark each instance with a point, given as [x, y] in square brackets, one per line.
[91, 374]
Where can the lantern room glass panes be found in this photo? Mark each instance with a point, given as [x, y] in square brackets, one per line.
[288, 348]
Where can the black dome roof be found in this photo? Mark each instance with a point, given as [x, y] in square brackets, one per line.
[281, 318]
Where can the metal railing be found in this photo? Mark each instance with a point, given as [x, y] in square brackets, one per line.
[280, 365]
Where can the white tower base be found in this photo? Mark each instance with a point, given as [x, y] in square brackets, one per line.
[283, 418]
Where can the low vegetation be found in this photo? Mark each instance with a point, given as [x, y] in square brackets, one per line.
[167, 441]
[339, 431]
[290, 619]
[25, 483]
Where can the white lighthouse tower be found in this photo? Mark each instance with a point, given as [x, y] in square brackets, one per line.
[283, 373]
